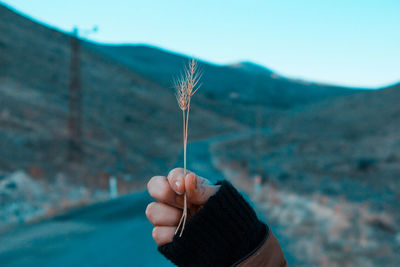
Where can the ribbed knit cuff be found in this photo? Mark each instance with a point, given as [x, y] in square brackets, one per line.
[224, 231]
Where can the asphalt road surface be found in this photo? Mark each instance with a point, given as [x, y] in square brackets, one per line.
[113, 233]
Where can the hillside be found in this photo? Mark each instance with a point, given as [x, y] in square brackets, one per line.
[129, 121]
[250, 83]
[130, 118]
[355, 138]
[333, 178]
[329, 155]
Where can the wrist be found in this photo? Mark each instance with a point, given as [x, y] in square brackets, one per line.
[225, 230]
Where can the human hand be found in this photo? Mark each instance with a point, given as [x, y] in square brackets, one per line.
[168, 191]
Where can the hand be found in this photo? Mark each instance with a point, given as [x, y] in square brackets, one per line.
[168, 191]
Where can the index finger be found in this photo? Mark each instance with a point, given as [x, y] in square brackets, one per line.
[160, 189]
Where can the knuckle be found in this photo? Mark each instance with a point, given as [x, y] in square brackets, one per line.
[179, 199]
[153, 186]
[155, 233]
[151, 182]
[163, 194]
[149, 210]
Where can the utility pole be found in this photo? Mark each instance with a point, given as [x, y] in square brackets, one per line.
[75, 150]
[75, 147]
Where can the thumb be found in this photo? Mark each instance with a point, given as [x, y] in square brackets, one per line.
[198, 189]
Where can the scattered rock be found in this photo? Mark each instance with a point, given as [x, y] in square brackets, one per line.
[22, 198]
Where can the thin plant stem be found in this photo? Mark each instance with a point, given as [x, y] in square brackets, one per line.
[184, 141]
[184, 215]
[182, 221]
[184, 169]
[186, 88]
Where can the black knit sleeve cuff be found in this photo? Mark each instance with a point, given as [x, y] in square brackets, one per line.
[224, 231]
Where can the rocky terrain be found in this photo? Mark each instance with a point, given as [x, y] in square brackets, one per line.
[26, 200]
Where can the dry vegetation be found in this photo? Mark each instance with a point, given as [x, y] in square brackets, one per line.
[186, 86]
[331, 168]
[331, 175]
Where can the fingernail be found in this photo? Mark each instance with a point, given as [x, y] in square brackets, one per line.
[178, 184]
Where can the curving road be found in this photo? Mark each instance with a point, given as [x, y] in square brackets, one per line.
[113, 233]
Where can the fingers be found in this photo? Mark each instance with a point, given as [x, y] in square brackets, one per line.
[163, 234]
[198, 189]
[159, 188]
[166, 214]
[170, 190]
[160, 214]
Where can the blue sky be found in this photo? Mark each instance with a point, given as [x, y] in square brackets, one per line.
[354, 43]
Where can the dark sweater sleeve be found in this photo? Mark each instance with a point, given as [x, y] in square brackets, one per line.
[222, 233]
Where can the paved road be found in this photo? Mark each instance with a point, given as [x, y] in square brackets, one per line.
[199, 156]
[114, 233]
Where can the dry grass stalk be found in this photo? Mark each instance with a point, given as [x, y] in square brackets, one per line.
[186, 86]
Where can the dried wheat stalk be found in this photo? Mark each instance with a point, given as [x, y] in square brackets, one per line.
[186, 86]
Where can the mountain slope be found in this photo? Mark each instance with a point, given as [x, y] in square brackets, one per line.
[130, 119]
[333, 147]
[333, 178]
[252, 84]
[130, 123]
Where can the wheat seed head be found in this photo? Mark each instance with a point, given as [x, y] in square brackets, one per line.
[181, 93]
[192, 75]
[187, 84]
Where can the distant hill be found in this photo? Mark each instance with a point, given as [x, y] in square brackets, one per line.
[348, 146]
[130, 119]
[251, 83]
[130, 123]
[342, 154]
[338, 159]
[354, 136]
